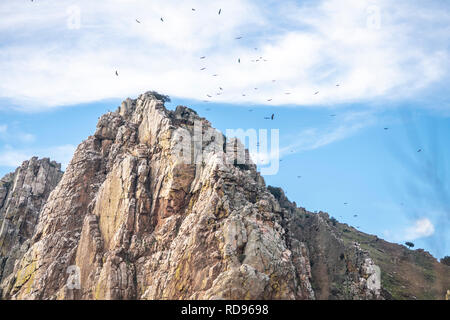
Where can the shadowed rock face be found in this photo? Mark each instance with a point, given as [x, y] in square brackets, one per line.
[22, 195]
[135, 221]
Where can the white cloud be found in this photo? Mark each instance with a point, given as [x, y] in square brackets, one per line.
[10, 157]
[308, 48]
[422, 228]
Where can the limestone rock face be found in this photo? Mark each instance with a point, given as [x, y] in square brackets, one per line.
[151, 207]
[22, 195]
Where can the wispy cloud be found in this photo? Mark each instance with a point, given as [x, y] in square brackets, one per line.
[372, 51]
[8, 134]
[11, 157]
[420, 229]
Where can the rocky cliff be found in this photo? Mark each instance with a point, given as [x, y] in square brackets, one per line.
[22, 195]
[159, 205]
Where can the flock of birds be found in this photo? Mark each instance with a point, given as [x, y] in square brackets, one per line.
[239, 61]
[272, 117]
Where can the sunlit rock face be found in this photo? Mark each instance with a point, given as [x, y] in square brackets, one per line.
[132, 219]
[22, 195]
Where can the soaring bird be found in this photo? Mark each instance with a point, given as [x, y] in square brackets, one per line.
[215, 75]
[269, 99]
[193, 9]
[316, 93]
[355, 215]
[237, 38]
[209, 96]
[138, 21]
[220, 88]
[239, 60]
[299, 177]
[332, 115]
[386, 128]
[345, 203]
[202, 68]
[420, 150]
[162, 19]
[337, 85]
[220, 10]
[273, 115]
[202, 57]
[117, 74]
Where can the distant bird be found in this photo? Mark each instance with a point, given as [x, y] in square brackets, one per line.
[243, 95]
[220, 10]
[202, 69]
[117, 74]
[332, 115]
[162, 19]
[256, 88]
[316, 93]
[209, 96]
[420, 150]
[287, 93]
[355, 215]
[273, 115]
[345, 203]
[299, 177]
[215, 75]
[274, 80]
[386, 128]
[337, 85]
[220, 88]
[239, 60]
[138, 21]
[203, 57]
[193, 9]
[237, 38]
[269, 99]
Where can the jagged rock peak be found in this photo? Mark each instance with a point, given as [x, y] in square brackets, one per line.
[154, 205]
[22, 195]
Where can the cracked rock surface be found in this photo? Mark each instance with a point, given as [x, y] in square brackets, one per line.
[136, 221]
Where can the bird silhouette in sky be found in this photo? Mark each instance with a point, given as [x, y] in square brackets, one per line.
[299, 177]
[203, 57]
[332, 115]
[420, 150]
[355, 215]
[193, 9]
[316, 93]
[269, 99]
[239, 60]
[117, 74]
[220, 88]
[162, 19]
[337, 85]
[215, 75]
[202, 69]
[345, 203]
[386, 128]
[220, 10]
[273, 115]
[138, 21]
[237, 38]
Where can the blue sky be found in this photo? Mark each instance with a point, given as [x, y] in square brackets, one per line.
[390, 58]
